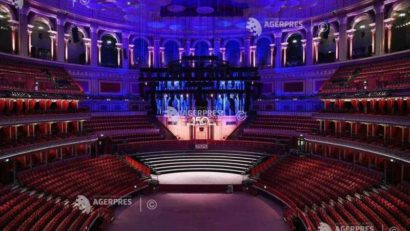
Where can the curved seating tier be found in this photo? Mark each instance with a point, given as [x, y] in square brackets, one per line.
[27, 210]
[186, 161]
[336, 193]
[278, 129]
[125, 128]
[374, 76]
[107, 175]
[31, 78]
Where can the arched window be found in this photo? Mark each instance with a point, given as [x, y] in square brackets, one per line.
[233, 52]
[76, 47]
[171, 51]
[201, 48]
[262, 52]
[294, 52]
[41, 41]
[5, 33]
[401, 30]
[140, 52]
[109, 56]
[362, 40]
[327, 45]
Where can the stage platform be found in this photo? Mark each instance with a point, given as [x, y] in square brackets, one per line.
[200, 178]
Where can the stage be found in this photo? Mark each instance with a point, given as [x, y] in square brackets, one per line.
[200, 178]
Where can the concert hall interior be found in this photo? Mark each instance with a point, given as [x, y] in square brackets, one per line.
[200, 115]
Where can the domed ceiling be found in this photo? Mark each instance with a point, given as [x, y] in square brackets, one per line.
[199, 15]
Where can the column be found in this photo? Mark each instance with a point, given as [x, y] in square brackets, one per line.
[66, 39]
[211, 51]
[99, 44]
[14, 30]
[304, 52]
[95, 47]
[131, 54]
[29, 32]
[119, 54]
[150, 56]
[388, 24]
[316, 49]
[125, 53]
[162, 56]
[343, 38]
[284, 48]
[278, 56]
[350, 35]
[23, 32]
[379, 43]
[307, 46]
[61, 51]
[337, 46]
[373, 30]
[53, 38]
[223, 53]
[272, 54]
[242, 56]
[253, 56]
[181, 52]
[87, 44]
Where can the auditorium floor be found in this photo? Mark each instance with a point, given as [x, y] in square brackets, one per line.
[200, 212]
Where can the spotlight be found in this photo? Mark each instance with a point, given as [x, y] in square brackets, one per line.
[2, 16]
[40, 27]
[362, 27]
[109, 42]
[7, 160]
[402, 14]
[294, 41]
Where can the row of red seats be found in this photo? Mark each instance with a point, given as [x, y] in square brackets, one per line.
[307, 180]
[319, 194]
[105, 176]
[23, 76]
[138, 166]
[27, 210]
[263, 166]
[394, 74]
[278, 128]
[144, 128]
